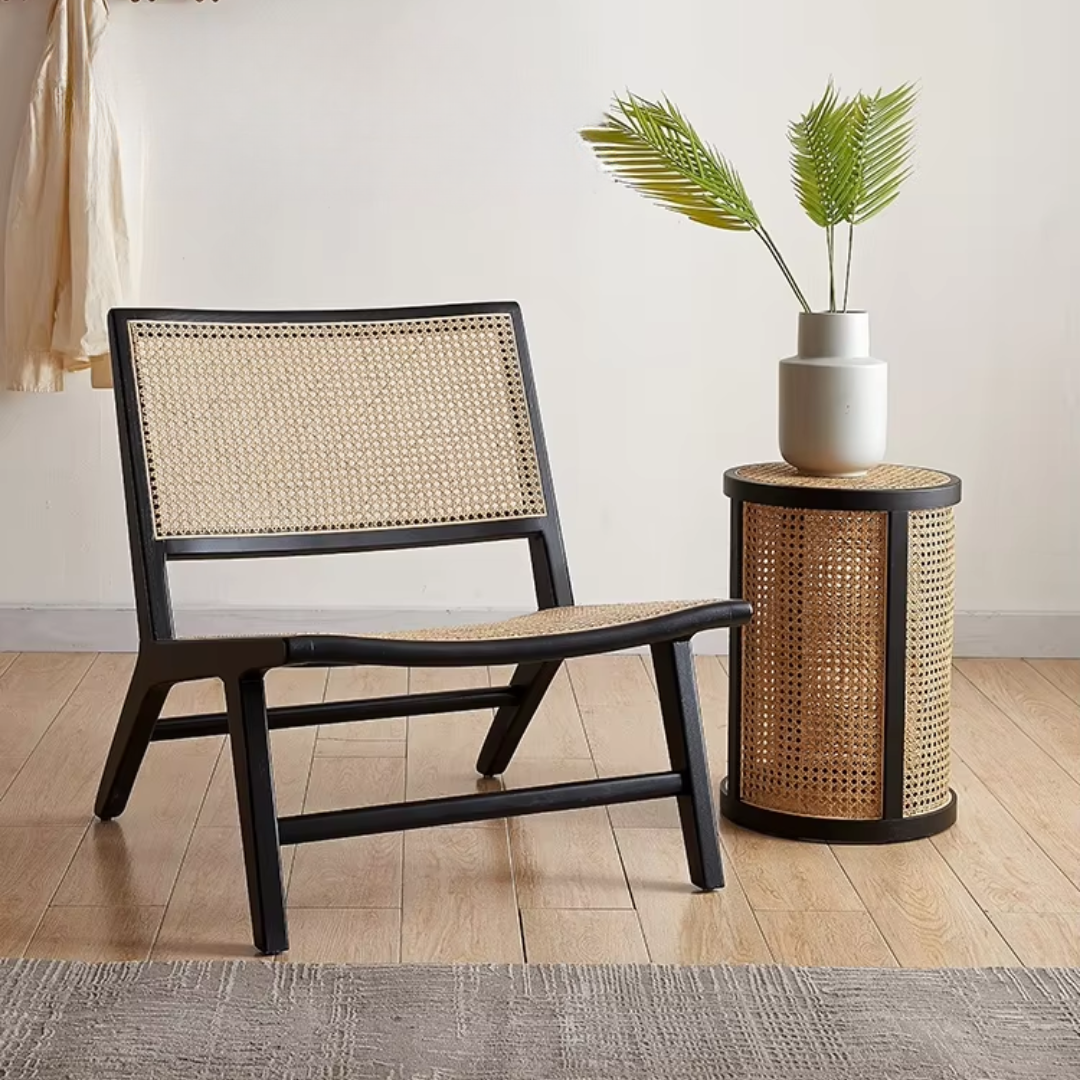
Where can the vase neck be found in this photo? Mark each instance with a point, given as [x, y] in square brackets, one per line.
[828, 333]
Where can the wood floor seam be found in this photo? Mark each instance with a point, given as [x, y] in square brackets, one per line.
[1063, 776]
[59, 882]
[731, 872]
[187, 846]
[866, 907]
[48, 726]
[1038, 671]
[1020, 731]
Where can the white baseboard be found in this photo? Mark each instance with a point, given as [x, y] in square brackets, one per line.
[1017, 633]
[70, 629]
[63, 629]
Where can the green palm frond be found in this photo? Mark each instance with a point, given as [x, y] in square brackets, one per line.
[651, 147]
[822, 160]
[879, 146]
[849, 159]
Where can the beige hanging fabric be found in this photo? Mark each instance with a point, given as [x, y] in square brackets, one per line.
[67, 253]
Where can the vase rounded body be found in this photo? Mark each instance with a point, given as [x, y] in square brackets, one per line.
[834, 398]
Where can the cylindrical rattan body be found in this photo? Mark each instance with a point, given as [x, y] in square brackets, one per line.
[839, 706]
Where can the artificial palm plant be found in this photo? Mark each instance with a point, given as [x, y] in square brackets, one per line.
[849, 158]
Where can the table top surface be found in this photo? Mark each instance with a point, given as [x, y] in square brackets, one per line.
[882, 478]
[885, 487]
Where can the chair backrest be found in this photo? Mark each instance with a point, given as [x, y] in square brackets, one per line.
[273, 433]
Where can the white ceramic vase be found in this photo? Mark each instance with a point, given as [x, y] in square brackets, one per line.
[834, 397]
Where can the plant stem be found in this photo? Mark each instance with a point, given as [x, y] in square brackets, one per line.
[774, 251]
[830, 246]
[847, 272]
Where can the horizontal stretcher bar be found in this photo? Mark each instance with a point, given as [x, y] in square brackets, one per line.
[339, 824]
[343, 712]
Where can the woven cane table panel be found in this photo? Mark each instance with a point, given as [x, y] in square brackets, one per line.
[299, 427]
[814, 661]
[931, 572]
[881, 478]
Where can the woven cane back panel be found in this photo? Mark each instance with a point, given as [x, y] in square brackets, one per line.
[880, 478]
[814, 661]
[931, 572]
[300, 427]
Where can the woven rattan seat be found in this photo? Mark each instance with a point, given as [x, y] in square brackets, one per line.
[561, 632]
[281, 433]
[555, 622]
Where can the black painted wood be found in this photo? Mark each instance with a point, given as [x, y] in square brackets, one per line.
[550, 574]
[512, 721]
[812, 498]
[346, 712]
[734, 757]
[249, 740]
[456, 809]
[673, 664]
[141, 709]
[337, 543]
[896, 595]
[153, 606]
[836, 830]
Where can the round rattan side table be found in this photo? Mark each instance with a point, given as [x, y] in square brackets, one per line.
[839, 704]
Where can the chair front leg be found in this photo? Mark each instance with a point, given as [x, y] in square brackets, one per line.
[511, 721]
[673, 663]
[249, 738]
[142, 707]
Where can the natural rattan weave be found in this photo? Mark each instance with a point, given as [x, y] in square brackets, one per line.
[813, 661]
[839, 727]
[259, 429]
[881, 478]
[931, 571]
[551, 621]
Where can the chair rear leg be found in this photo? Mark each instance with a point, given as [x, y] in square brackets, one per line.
[511, 721]
[677, 689]
[142, 707]
[249, 738]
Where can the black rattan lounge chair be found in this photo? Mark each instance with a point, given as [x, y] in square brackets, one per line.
[283, 433]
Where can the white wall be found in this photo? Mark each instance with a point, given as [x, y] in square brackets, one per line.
[370, 152]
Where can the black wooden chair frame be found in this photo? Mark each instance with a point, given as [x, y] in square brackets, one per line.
[242, 663]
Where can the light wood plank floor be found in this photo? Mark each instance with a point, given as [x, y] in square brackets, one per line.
[1001, 888]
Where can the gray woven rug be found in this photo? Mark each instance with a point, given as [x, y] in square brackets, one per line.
[246, 1020]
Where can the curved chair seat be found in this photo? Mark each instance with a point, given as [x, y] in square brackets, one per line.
[551, 634]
